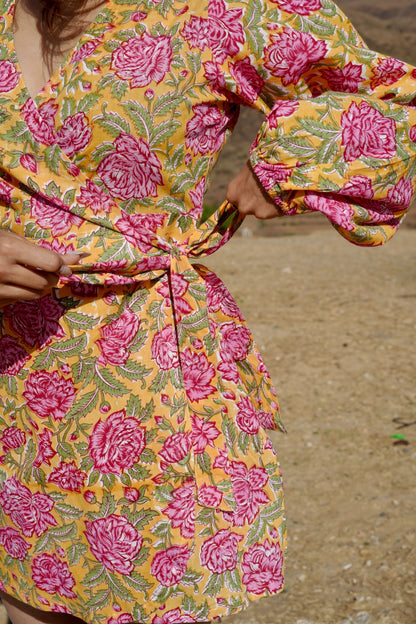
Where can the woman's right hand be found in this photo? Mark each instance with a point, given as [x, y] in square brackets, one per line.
[27, 270]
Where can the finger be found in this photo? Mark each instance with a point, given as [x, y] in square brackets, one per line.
[25, 277]
[22, 251]
[15, 293]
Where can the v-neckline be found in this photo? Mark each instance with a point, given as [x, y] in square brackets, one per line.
[60, 68]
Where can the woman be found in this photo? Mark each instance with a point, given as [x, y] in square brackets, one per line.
[137, 480]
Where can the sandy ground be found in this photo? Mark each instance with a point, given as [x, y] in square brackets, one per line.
[336, 325]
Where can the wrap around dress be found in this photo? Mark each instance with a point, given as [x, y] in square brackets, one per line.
[137, 479]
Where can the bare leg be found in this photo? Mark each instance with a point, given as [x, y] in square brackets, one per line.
[21, 613]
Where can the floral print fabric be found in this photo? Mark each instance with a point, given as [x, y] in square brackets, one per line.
[137, 480]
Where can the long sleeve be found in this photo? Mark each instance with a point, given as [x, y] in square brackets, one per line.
[340, 130]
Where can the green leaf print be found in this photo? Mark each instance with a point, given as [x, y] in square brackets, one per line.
[107, 383]
[132, 370]
[53, 157]
[62, 350]
[113, 124]
[253, 26]
[266, 517]
[167, 103]
[84, 404]
[140, 117]
[214, 585]
[137, 582]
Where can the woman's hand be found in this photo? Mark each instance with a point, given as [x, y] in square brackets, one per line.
[28, 271]
[246, 193]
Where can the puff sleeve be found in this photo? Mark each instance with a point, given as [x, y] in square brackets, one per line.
[340, 130]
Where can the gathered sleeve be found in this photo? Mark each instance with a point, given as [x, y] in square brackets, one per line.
[339, 135]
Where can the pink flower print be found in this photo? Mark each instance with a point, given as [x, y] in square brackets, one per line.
[68, 477]
[205, 131]
[178, 286]
[165, 349]
[366, 132]
[262, 568]
[388, 71]
[29, 162]
[114, 542]
[292, 53]
[49, 394]
[74, 134]
[57, 246]
[345, 79]
[41, 123]
[13, 542]
[214, 76]
[266, 420]
[358, 186]
[9, 78]
[169, 566]
[92, 196]
[52, 575]
[412, 134]
[87, 49]
[131, 494]
[6, 194]
[12, 356]
[249, 83]
[197, 32]
[203, 434]
[338, 211]
[124, 618]
[222, 31]
[281, 108]
[30, 512]
[116, 339]
[132, 171]
[176, 447]
[235, 341]
[60, 608]
[12, 438]
[197, 373]
[181, 510]
[229, 371]
[209, 496]
[301, 7]
[219, 297]
[174, 616]
[219, 553]
[36, 322]
[143, 59]
[247, 417]
[225, 30]
[271, 175]
[116, 443]
[401, 195]
[247, 490]
[197, 197]
[53, 215]
[45, 450]
[139, 229]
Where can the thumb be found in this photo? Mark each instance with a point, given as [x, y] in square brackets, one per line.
[70, 259]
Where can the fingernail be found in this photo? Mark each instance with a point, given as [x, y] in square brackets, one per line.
[65, 271]
[83, 254]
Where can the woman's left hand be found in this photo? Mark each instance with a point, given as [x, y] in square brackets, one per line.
[246, 193]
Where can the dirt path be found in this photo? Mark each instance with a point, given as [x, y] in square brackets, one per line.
[336, 325]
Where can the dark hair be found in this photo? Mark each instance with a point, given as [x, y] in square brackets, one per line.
[57, 14]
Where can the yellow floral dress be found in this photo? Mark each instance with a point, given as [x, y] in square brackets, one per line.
[137, 480]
